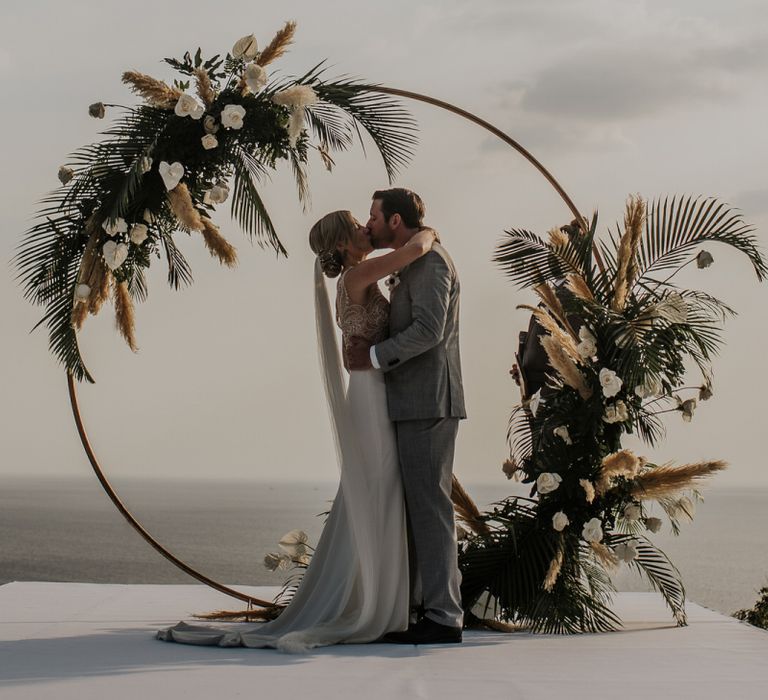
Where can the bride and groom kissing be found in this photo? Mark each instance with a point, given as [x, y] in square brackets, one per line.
[385, 567]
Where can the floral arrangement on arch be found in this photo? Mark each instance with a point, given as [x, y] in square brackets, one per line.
[166, 165]
[618, 335]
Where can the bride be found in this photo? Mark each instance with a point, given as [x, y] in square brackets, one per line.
[356, 588]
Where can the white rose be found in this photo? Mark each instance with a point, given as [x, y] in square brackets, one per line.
[246, 47]
[588, 346]
[632, 512]
[188, 106]
[534, 403]
[610, 382]
[593, 530]
[548, 482]
[138, 234]
[296, 97]
[232, 116]
[650, 387]
[616, 413]
[563, 434]
[145, 164]
[255, 77]
[209, 125]
[112, 228]
[626, 551]
[217, 194]
[560, 521]
[209, 141]
[653, 524]
[82, 292]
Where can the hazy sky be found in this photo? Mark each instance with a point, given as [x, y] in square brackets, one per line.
[614, 96]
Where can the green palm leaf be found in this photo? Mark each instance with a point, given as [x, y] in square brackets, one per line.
[674, 228]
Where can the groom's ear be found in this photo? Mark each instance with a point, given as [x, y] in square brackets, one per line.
[394, 221]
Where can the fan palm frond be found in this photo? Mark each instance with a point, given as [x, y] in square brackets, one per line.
[675, 227]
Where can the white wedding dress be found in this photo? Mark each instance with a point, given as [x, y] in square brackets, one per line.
[356, 588]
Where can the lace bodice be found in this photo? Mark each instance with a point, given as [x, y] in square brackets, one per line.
[369, 320]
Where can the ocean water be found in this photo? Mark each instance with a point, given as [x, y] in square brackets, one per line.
[68, 530]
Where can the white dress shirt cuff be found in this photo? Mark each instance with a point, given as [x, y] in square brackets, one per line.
[374, 360]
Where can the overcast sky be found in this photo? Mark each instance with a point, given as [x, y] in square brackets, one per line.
[614, 97]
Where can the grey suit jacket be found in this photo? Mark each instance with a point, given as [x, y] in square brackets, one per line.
[421, 357]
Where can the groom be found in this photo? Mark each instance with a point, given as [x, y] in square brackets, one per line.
[422, 370]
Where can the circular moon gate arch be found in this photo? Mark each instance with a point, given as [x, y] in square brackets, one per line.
[250, 600]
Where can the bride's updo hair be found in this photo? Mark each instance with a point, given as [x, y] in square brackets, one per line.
[334, 228]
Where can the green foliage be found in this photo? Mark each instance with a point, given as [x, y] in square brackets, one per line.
[118, 178]
[758, 615]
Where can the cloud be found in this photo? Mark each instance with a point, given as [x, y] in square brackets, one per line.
[622, 83]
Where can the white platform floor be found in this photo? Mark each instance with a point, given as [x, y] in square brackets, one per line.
[77, 640]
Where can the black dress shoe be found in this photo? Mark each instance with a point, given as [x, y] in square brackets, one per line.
[426, 631]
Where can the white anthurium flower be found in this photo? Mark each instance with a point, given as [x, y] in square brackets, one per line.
[139, 233]
[610, 382]
[563, 434]
[112, 228]
[650, 387]
[560, 521]
[188, 106]
[246, 48]
[593, 530]
[294, 542]
[547, 482]
[704, 259]
[653, 524]
[687, 408]
[296, 97]
[171, 173]
[685, 506]
[626, 551]
[232, 117]
[115, 254]
[82, 292]
[97, 110]
[616, 412]
[217, 194]
[275, 560]
[534, 403]
[65, 174]
[255, 77]
[632, 512]
[209, 141]
[587, 346]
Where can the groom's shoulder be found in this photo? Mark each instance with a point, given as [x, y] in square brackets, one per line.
[437, 249]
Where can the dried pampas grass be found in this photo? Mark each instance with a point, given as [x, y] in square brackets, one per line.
[252, 615]
[626, 258]
[217, 245]
[124, 314]
[466, 510]
[621, 463]
[278, 46]
[204, 88]
[557, 239]
[665, 480]
[555, 566]
[589, 489]
[545, 292]
[154, 91]
[605, 555]
[565, 366]
[184, 208]
[578, 285]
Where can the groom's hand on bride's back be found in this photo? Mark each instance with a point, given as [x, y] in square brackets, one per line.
[359, 353]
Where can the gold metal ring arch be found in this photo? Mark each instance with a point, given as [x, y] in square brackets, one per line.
[250, 600]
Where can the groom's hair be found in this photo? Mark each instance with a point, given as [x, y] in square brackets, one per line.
[398, 200]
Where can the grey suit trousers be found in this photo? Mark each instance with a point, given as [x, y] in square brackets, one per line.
[426, 450]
